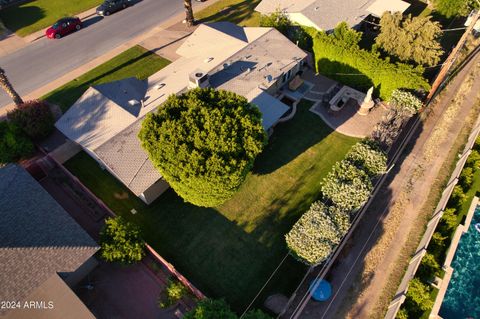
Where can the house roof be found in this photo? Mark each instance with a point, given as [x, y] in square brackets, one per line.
[37, 236]
[65, 303]
[237, 59]
[271, 108]
[326, 14]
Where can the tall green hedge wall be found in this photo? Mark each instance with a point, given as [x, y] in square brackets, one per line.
[338, 54]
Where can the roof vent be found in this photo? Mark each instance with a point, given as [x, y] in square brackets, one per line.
[317, 8]
[133, 102]
[269, 78]
[207, 60]
[226, 65]
[199, 79]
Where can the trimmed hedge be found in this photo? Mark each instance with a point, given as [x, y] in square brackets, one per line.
[345, 189]
[14, 144]
[339, 57]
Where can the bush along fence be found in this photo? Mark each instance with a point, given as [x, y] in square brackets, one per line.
[306, 240]
[419, 287]
[165, 264]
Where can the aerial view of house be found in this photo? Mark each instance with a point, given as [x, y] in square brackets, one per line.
[239, 159]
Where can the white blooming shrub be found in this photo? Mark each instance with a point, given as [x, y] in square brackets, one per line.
[406, 100]
[346, 186]
[366, 155]
[317, 233]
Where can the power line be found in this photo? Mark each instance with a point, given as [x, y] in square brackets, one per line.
[263, 287]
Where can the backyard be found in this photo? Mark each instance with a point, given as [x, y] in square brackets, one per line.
[231, 250]
[33, 16]
[135, 62]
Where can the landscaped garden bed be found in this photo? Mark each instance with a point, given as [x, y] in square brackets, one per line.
[231, 250]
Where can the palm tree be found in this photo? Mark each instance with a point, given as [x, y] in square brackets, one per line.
[188, 12]
[8, 88]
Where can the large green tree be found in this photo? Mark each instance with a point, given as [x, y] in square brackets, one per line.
[410, 39]
[452, 8]
[120, 241]
[204, 143]
[14, 144]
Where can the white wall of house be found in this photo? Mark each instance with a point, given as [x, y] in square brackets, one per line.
[154, 191]
[302, 20]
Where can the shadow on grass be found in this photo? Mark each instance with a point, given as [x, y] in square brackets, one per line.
[29, 15]
[236, 13]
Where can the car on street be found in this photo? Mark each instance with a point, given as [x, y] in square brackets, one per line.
[63, 27]
[111, 6]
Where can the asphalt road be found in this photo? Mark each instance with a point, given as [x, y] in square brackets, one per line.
[46, 60]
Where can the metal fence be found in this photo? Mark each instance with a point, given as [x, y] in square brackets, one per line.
[400, 295]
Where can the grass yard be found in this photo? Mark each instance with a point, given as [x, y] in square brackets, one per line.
[33, 16]
[240, 12]
[136, 61]
[231, 250]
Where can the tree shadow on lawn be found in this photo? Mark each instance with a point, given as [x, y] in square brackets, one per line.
[29, 15]
[296, 137]
[236, 13]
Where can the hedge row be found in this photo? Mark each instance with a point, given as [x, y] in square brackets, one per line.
[340, 57]
[344, 190]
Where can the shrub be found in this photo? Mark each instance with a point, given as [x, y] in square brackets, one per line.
[340, 57]
[34, 118]
[418, 294]
[429, 268]
[174, 291]
[458, 196]
[211, 309]
[120, 241]
[406, 100]
[466, 177]
[437, 245]
[451, 8]
[367, 156]
[14, 145]
[346, 186]
[402, 314]
[316, 233]
[473, 160]
[448, 222]
[204, 143]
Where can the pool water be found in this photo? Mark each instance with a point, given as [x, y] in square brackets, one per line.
[462, 299]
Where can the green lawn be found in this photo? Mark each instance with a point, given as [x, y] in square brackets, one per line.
[240, 12]
[136, 61]
[39, 14]
[231, 250]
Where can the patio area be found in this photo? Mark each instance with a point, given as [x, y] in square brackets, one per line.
[344, 119]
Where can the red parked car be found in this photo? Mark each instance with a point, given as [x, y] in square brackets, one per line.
[63, 27]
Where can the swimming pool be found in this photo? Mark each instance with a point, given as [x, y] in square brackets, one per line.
[462, 299]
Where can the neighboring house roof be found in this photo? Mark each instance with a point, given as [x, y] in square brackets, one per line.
[37, 236]
[238, 59]
[64, 301]
[326, 14]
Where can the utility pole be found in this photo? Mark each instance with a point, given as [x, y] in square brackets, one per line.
[451, 58]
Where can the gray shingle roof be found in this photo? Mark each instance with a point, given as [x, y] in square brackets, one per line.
[37, 236]
[138, 172]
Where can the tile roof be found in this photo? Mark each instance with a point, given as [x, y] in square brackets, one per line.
[37, 236]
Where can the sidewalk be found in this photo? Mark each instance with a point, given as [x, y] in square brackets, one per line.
[169, 32]
[10, 42]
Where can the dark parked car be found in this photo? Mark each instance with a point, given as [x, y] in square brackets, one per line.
[63, 27]
[111, 6]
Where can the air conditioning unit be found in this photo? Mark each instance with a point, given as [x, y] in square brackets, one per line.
[198, 79]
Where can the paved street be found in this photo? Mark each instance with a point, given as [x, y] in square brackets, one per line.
[46, 60]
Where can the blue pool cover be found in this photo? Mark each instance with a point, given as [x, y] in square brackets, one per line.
[323, 290]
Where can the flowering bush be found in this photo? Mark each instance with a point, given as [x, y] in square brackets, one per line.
[406, 100]
[346, 186]
[366, 155]
[315, 235]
